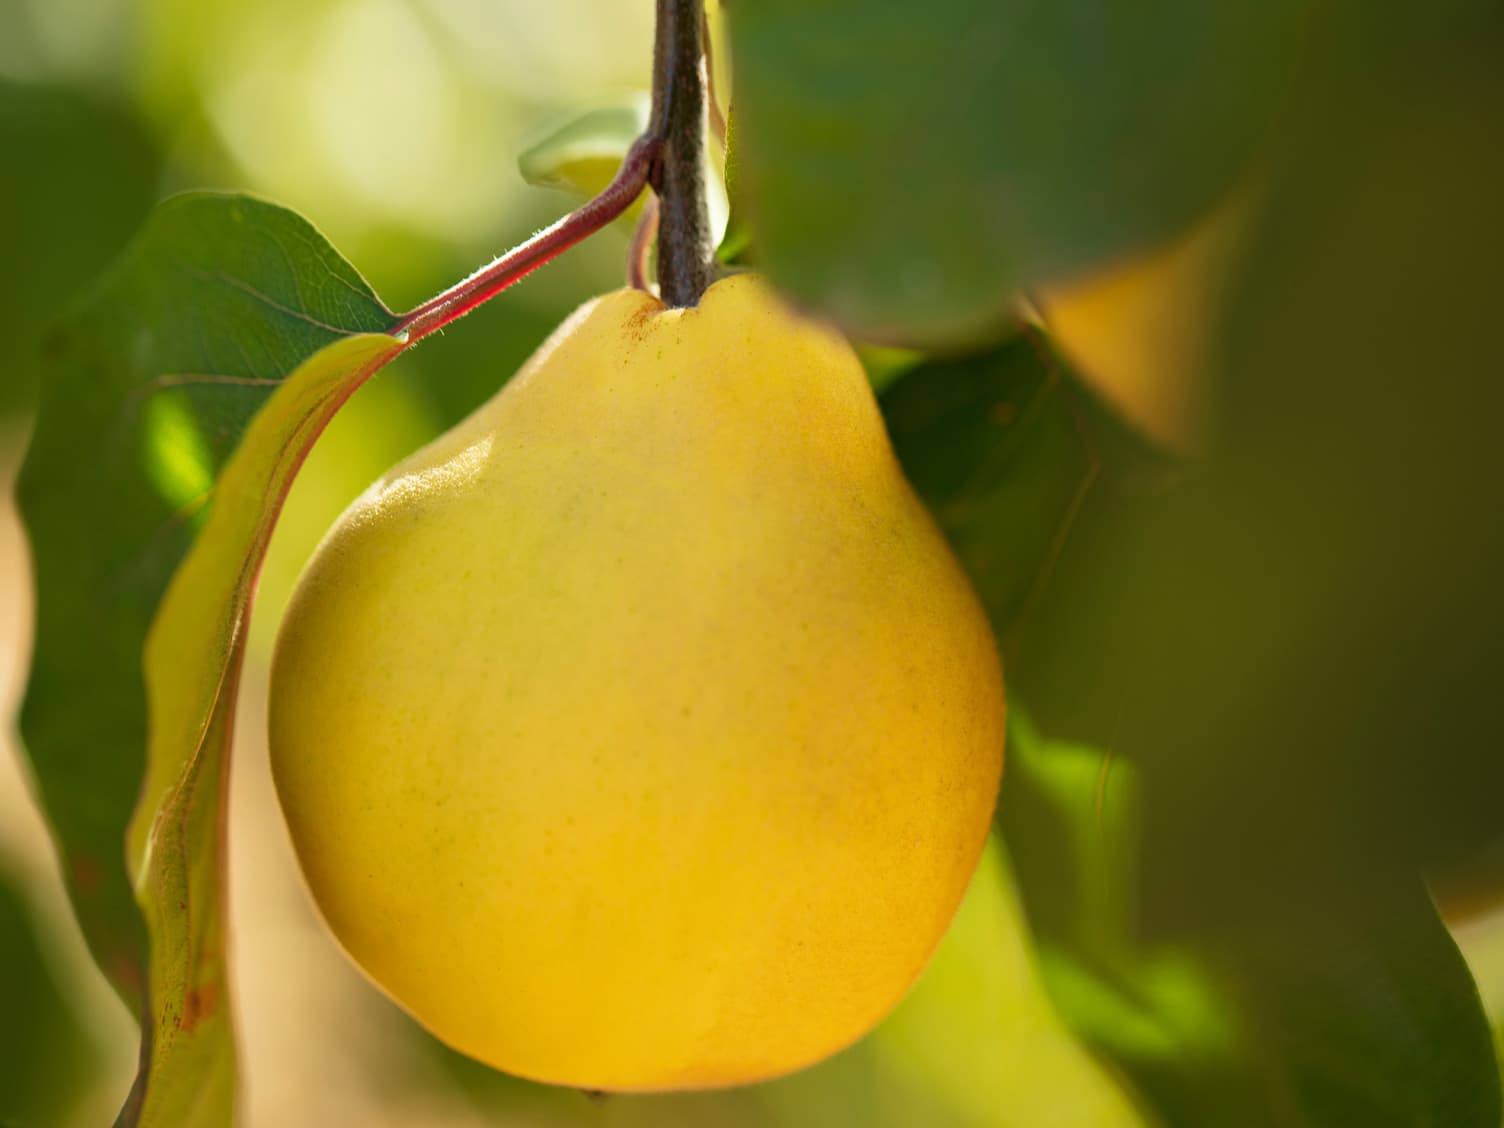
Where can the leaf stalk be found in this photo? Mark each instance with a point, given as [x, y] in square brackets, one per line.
[669, 156]
[543, 247]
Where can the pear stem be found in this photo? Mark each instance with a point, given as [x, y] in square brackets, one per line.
[548, 244]
[685, 265]
[670, 156]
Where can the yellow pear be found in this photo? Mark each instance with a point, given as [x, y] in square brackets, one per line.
[642, 732]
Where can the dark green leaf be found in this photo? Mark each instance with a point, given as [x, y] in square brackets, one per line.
[76, 178]
[1301, 644]
[911, 167]
[963, 428]
[1353, 505]
[176, 405]
[1005, 445]
[1227, 934]
[1357, 1011]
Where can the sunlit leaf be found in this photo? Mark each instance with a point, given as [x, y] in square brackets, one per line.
[582, 152]
[981, 1032]
[736, 242]
[176, 406]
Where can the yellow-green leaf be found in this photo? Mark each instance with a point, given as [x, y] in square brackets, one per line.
[177, 403]
[582, 152]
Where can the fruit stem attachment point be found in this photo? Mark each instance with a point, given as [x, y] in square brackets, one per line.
[548, 244]
[685, 265]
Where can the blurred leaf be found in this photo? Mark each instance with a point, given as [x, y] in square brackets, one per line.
[1375, 1012]
[76, 179]
[46, 1059]
[911, 168]
[1300, 645]
[1350, 516]
[1336, 997]
[980, 1031]
[582, 152]
[1004, 446]
[179, 402]
[1139, 331]
[885, 365]
[1360, 1013]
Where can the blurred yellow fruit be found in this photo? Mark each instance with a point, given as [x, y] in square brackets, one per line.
[1139, 331]
[642, 732]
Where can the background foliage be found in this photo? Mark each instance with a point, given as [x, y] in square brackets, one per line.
[1253, 737]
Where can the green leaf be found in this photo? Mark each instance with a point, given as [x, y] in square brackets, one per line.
[177, 403]
[981, 1033]
[582, 152]
[961, 428]
[910, 168]
[736, 242]
[1359, 529]
[1300, 643]
[1005, 446]
[1316, 989]
[46, 1057]
[1359, 1012]
[81, 173]
[1165, 1014]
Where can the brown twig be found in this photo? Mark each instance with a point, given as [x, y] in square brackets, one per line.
[685, 266]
